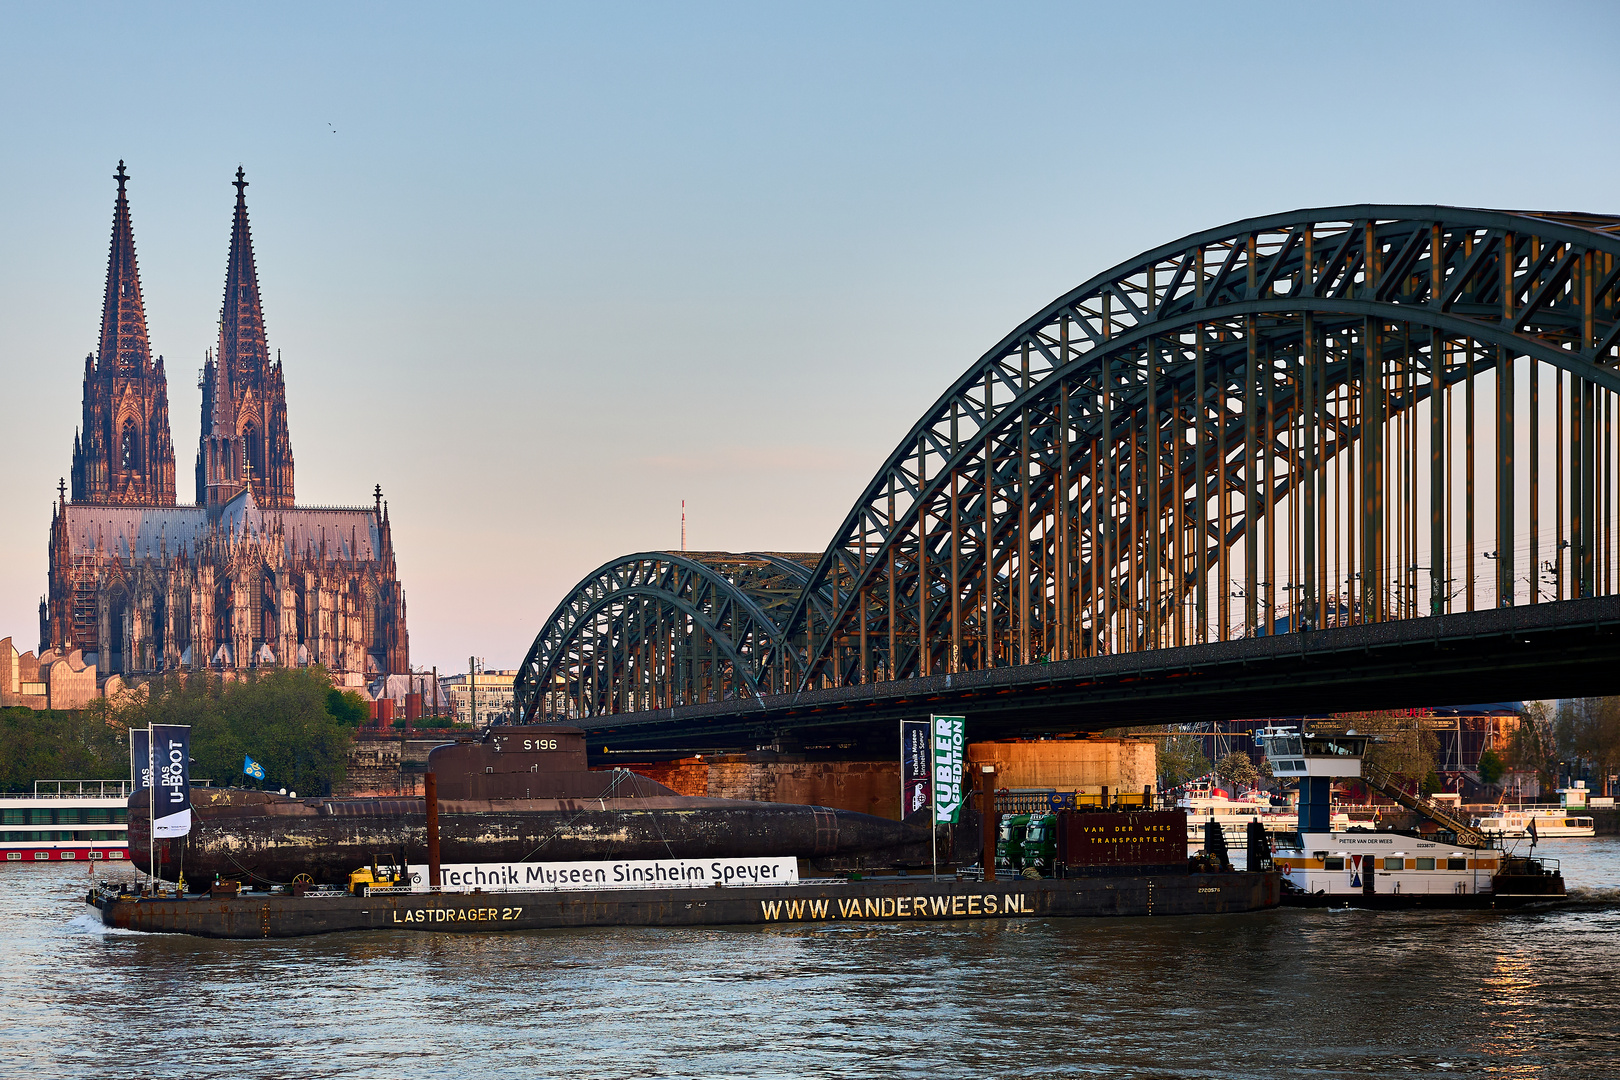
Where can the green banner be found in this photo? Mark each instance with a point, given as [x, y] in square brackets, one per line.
[950, 753]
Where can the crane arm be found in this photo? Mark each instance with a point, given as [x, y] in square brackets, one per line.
[1384, 781]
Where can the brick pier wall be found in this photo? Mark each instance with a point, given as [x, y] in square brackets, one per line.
[868, 787]
[1085, 765]
[873, 787]
[386, 766]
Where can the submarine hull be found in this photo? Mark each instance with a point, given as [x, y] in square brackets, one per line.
[258, 837]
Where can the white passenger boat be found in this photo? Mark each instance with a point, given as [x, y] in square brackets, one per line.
[1552, 823]
[66, 820]
[1327, 865]
[1233, 815]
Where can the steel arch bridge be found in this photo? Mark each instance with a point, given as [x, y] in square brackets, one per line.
[1303, 423]
[658, 628]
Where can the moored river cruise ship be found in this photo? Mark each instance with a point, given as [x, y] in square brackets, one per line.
[1550, 823]
[66, 821]
[1233, 815]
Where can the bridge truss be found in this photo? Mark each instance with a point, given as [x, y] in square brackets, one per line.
[660, 628]
[1322, 419]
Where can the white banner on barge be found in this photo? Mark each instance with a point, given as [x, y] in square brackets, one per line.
[620, 874]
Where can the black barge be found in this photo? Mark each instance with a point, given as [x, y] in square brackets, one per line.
[888, 899]
[523, 797]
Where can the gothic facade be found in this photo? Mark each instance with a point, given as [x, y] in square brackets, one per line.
[246, 578]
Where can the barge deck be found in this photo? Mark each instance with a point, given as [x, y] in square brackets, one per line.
[887, 899]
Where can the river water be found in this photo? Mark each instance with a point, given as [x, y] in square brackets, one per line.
[1280, 993]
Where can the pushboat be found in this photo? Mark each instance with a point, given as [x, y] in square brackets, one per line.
[1453, 866]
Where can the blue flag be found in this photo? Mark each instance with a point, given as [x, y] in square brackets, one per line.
[252, 768]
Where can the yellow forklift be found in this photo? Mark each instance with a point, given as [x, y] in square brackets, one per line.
[380, 876]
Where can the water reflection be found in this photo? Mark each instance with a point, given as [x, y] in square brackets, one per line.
[1321, 993]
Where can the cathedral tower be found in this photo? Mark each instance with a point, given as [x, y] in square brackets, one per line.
[245, 579]
[244, 407]
[123, 456]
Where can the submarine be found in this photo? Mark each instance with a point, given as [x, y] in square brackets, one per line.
[515, 793]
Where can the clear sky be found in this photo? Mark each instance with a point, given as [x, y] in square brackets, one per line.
[544, 271]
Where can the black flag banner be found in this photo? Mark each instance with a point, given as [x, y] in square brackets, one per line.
[171, 748]
[916, 766]
[140, 759]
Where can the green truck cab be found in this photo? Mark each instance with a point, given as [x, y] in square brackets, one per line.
[1039, 853]
[1010, 842]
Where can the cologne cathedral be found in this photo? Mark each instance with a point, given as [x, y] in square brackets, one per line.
[245, 578]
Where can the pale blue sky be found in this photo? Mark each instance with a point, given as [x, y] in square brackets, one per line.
[543, 272]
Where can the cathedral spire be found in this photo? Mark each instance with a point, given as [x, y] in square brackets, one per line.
[244, 423]
[125, 456]
[124, 346]
[241, 333]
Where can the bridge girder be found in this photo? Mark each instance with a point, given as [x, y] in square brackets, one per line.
[1263, 428]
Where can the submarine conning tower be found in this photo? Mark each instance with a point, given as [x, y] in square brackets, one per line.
[530, 761]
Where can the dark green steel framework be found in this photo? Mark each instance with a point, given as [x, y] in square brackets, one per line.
[1319, 420]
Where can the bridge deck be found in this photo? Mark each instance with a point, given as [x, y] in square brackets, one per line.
[1569, 648]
